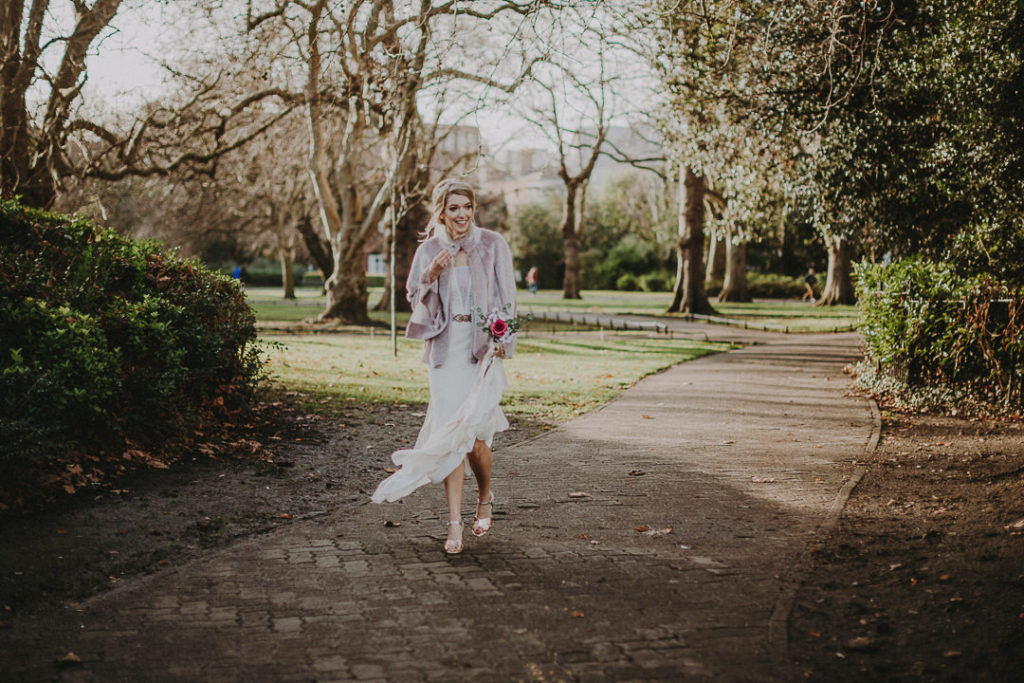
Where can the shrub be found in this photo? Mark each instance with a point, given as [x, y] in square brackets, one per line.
[627, 282]
[631, 254]
[766, 286]
[939, 338]
[658, 281]
[105, 344]
[774, 286]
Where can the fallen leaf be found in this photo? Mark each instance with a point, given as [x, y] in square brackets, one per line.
[284, 515]
[952, 653]
[636, 473]
[579, 494]
[389, 470]
[576, 614]
[894, 567]
[389, 523]
[763, 480]
[69, 658]
[728, 443]
[945, 577]
[814, 634]
[583, 536]
[647, 417]
[859, 643]
[62, 531]
[913, 581]
[641, 529]
[1019, 524]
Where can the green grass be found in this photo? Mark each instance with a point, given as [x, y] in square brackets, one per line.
[784, 313]
[796, 315]
[552, 379]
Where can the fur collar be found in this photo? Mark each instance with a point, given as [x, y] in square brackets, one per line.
[466, 243]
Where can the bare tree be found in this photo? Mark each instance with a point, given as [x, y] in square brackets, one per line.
[575, 112]
[366, 63]
[40, 146]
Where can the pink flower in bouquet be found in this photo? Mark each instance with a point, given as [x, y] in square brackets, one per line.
[499, 328]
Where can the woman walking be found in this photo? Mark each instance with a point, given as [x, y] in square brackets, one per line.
[458, 269]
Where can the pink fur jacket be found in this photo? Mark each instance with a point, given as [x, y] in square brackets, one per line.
[492, 285]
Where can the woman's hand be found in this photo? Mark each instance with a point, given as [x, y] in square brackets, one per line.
[499, 351]
[438, 265]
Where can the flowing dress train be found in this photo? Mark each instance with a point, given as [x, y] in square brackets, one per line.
[464, 406]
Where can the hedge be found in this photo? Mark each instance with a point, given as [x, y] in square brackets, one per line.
[938, 338]
[107, 346]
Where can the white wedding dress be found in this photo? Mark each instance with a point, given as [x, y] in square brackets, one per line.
[464, 406]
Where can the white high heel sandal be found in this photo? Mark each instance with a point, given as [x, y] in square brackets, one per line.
[481, 525]
[454, 546]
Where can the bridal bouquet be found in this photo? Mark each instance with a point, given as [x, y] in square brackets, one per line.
[500, 324]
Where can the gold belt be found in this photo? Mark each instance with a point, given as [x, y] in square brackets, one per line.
[462, 318]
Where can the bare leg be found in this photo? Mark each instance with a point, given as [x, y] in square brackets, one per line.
[480, 461]
[453, 492]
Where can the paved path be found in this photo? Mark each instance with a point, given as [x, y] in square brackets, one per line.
[565, 588]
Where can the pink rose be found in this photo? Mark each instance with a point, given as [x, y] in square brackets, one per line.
[498, 328]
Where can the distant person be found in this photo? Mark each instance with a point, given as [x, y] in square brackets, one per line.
[809, 281]
[236, 272]
[532, 276]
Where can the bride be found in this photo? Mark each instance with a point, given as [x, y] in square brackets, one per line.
[458, 269]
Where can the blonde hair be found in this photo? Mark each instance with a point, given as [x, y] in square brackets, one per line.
[439, 198]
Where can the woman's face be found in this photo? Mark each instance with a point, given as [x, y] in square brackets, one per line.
[458, 214]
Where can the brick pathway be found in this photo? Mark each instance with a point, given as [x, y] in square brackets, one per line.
[742, 455]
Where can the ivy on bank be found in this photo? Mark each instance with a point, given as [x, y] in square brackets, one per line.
[109, 347]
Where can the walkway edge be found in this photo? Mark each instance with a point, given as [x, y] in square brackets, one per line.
[778, 624]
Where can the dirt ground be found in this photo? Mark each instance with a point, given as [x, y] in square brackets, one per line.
[923, 580]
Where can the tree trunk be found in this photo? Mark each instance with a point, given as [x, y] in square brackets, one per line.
[346, 289]
[319, 249]
[414, 220]
[689, 295]
[571, 240]
[839, 282]
[734, 286]
[716, 259]
[571, 281]
[287, 256]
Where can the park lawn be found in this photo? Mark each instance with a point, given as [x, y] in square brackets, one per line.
[551, 378]
[797, 316]
[780, 314]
